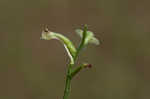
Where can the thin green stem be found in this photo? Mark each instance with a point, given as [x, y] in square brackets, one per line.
[67, 88]
[68, 82]
[76, 70]
[71, 73]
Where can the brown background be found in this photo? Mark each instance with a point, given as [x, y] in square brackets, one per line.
[35, 69]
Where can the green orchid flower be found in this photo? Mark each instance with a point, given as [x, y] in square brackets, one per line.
[86, 38]
[70, 48]
[89, 36]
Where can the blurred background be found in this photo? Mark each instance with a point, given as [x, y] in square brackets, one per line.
[31, 68]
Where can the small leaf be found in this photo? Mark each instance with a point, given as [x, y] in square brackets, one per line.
[71, 50]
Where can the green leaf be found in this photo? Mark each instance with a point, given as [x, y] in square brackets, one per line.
[90, 38]
[70, 48]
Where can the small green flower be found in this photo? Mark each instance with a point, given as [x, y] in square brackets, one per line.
[90, 38]
[71, 50]
[86, 36]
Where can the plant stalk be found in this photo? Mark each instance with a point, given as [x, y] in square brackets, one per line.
[67, 88]
[69, 73]
[68, 83]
